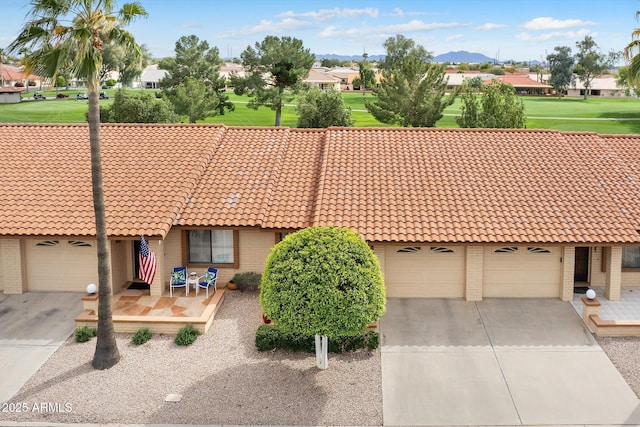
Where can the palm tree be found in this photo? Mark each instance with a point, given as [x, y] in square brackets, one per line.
[73, 33]
[632, 53]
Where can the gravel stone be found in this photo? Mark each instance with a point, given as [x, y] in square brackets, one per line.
[222, 378]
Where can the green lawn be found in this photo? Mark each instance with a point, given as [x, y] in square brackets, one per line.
[541, 112]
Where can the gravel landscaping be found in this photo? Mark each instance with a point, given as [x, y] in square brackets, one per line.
[222, 378]
[624, 352]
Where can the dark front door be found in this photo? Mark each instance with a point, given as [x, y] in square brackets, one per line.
[581, 273]
[136, 259]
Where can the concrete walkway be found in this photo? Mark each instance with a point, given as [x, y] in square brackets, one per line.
[497, 362]
[32, 326]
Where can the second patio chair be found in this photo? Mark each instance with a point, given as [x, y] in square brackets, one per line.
[209, 279]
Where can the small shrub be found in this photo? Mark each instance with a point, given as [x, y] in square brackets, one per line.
[186, 335]
[275, 337]
[249, 281]
[85, 333]
[141, 336]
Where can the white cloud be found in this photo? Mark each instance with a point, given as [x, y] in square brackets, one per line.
[556, 35]
[489, 26]
[400, 13]
[192, 25]
[417, 25]
[266, 26]
[387, 30]
[326, 14]
[454, 37]
[548, 23]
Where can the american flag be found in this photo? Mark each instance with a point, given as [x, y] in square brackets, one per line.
[147, 262]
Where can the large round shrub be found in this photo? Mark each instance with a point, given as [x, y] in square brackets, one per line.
[323, 281]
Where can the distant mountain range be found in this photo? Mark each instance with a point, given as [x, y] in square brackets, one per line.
[455, 57]
[463, 56]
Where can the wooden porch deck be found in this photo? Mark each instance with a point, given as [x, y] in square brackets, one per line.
[135, 309]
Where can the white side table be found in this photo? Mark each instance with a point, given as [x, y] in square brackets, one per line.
[193, 280]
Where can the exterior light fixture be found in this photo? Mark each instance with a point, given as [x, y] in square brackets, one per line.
[91, 288]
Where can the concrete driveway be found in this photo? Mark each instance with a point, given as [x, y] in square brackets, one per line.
[497, 362]
[32, 327]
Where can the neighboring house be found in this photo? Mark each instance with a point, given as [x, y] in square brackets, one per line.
[10, 95]
[450, 213]
[604, 86]
[524, 85]
[346, 75]
[150, 77]
[454, 79]
[229, 68]
[322, 80]
[13, 75]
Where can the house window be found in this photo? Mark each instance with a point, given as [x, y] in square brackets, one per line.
[281, 235]
[217, 247]
[631, 257]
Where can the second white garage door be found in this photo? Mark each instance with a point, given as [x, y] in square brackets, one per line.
[522, 271]
[424, 271]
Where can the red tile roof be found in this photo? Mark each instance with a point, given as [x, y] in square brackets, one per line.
[149, 173]
[405, 185]
[518, 81]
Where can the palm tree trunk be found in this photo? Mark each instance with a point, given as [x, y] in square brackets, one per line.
[106, 354]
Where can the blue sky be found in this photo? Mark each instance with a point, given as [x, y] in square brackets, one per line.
[507, 29]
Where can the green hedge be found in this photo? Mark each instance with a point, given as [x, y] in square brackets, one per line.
[275, 337]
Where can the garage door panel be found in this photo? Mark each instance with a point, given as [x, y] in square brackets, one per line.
[424, 273]
[522, 272]
[60, 265]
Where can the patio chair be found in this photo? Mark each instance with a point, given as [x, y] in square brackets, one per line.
[210, 278]
[178, 280]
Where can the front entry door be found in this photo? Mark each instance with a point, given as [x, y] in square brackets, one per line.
[581, 272]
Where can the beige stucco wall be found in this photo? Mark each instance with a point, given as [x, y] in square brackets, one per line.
[473, 273]
[630, 278]
[254, 247]
[120, 274]
[12, 270]
[568, 273]
[597, 277]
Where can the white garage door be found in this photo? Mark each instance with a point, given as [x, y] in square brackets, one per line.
[424, 271]
[522, 271]
[61, 265]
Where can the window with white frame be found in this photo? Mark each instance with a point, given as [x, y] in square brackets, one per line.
[631, 257]
[211, 246]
